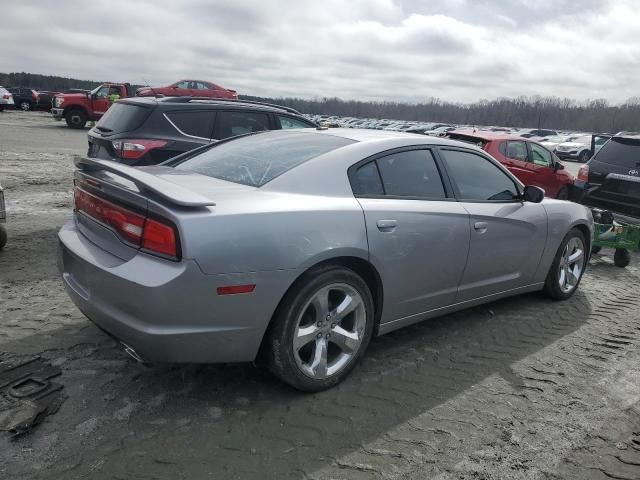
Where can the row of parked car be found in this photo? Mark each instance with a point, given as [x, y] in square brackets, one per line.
[25, 98]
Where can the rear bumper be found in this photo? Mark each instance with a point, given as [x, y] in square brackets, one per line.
[167, 312]
[57, 112]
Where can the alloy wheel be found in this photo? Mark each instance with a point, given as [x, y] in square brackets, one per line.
[571, 264]
[329, 331]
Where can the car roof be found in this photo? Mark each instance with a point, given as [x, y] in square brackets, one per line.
[487, 135]
[213, 102]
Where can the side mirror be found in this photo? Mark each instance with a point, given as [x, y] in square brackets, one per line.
[533, 194]
[558, 166]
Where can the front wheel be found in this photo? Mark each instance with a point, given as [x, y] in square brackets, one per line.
[321, 329]
[76, 119]
[584, 156]
[25, 106]
[567, 268]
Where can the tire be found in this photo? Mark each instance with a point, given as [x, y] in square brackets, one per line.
[584, 156]
[1, 108]
[302, 366]
[595, 250]
[25, 106]
[76, 118]
[621, 257]
[563, 279]
[563, 193]
[3, 237]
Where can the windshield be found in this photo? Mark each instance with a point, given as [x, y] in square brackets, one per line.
[257, 159]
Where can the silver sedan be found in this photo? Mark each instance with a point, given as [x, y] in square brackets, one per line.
[297, 247]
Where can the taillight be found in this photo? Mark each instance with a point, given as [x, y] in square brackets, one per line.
[135, 228]
[133, 149]
[583, 173]
[6, 97]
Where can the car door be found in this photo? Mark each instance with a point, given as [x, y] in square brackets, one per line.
[516, 159]
[418, 234]
[100, 101]
[507, 235]
[543, 174]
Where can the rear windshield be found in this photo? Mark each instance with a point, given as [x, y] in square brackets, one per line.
[623, 152]
[257, 159]
[122, 117]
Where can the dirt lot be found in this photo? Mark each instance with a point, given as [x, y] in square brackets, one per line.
[523, 388]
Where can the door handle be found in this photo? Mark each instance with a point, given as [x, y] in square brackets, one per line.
[480, 227]
[386, 225]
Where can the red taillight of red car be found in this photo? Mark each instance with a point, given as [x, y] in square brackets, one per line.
[583, 173]
[143, 232]
[133, 149]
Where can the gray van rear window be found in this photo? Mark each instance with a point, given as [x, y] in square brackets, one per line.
[620, 151]
[257, 159]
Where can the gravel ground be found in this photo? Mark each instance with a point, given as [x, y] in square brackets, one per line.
[523, 388]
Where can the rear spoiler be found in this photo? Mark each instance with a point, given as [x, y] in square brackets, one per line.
[146, 182]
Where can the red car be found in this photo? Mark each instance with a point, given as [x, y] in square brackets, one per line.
[531, 162]
[189, 88]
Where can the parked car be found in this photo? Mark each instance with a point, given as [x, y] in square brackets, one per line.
[6, 99]
[189, 88]
[78, 108]
[24, 98]
[551, 142]
[532, 163]
[3, 219]
[578, 148]
[301, 245]
[45, 101]
[147, 131]
[536, 132]
[611, 179]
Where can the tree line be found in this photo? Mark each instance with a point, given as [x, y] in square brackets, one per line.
[544, 112]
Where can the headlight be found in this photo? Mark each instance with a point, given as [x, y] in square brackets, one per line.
[59, 101]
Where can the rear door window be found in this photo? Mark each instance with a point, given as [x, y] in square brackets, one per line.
[411, 174]
[514, 150]
[230, 124]
[197, 123]
[623, 152]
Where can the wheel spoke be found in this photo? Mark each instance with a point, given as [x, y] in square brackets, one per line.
[304, 336]
[575, 256]
[348, 305]
[347, 341]
[319, 363]
[320, 303]
[572, 277]
[562, 277]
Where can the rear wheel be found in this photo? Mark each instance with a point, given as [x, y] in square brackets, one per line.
[25, 106]
[563, 193]
[584, 156]
[596, 249]
[621, 257]
[321, 329]
[76, 118]
[567, 268]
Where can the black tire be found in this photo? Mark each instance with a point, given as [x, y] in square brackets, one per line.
[76, 118]
[621, 257]
[279, 349]
[3, 237]
[25, 106]
[596, 249]
[1, 108]
[563, 193]
[584, 156]
[551, 286]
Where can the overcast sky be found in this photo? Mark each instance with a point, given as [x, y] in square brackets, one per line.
[457, 50]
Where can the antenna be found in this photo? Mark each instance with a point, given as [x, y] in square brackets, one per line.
[154, 92]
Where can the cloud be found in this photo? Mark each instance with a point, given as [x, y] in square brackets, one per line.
[408, 50]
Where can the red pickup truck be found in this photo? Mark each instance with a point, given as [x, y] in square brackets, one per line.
[78, 108]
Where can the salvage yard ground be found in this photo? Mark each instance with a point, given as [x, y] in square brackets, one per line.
[524, 388]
